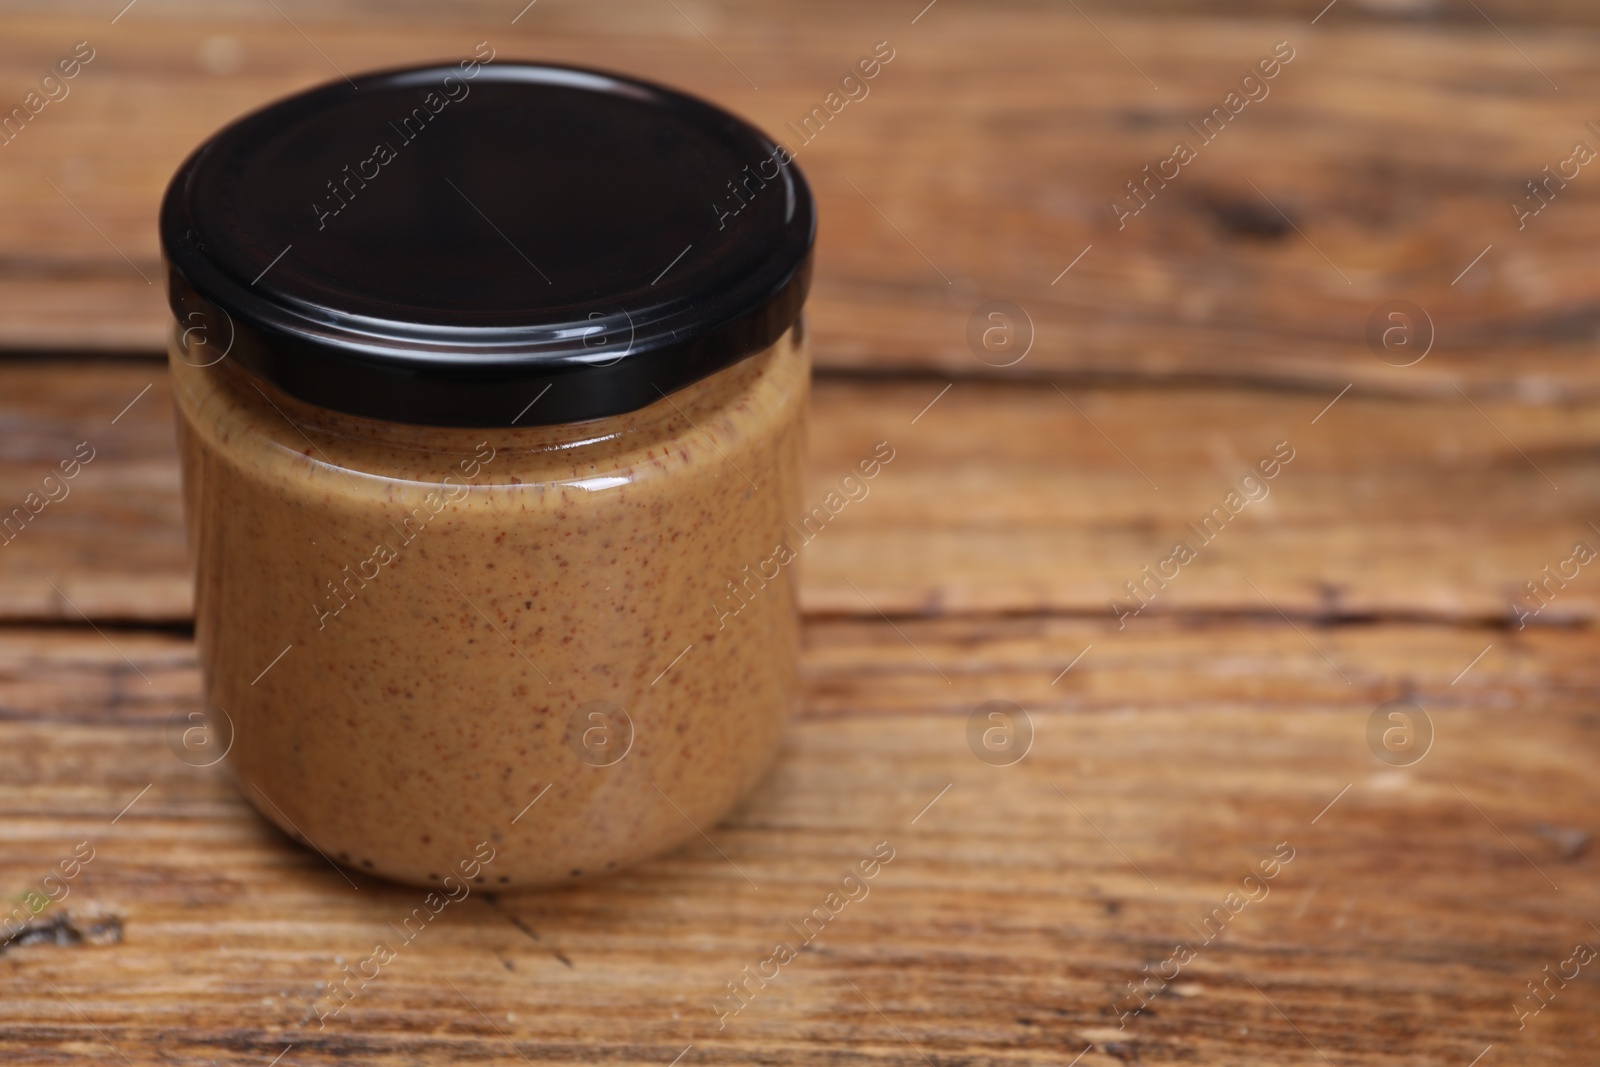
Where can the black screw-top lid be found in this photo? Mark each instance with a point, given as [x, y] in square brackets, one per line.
[449, 245]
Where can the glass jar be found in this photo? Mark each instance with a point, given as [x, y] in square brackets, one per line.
[491, 558]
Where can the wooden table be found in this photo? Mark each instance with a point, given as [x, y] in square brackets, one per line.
[1236, 720]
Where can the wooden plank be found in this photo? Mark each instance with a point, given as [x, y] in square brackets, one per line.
[1018, 904]
[1029, 498]
[107, 543]
[1001, 497]
[992, 147]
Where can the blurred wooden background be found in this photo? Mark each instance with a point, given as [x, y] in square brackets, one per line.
[1175, 352]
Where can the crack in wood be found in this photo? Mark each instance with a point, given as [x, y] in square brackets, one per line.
[60, 929]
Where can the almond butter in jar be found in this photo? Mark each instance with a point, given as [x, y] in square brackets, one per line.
[490, 379]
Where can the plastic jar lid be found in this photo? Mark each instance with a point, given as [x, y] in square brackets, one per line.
[488, 243]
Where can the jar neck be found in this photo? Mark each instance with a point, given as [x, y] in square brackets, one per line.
[716, 390]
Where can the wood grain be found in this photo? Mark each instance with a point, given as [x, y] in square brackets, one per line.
[983, 162]
[1001, 498]
[112, 547]
[1015, 910]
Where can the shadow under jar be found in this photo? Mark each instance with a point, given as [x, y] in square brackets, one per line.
[491, 383]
